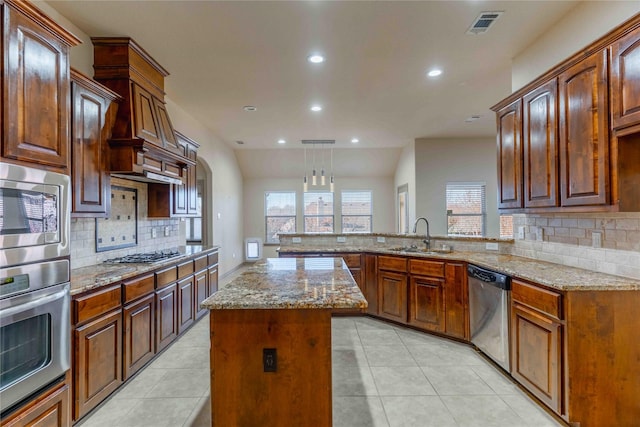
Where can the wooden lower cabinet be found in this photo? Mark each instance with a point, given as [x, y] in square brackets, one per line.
[426, 303]
[536, 352]
[212, 279]
[166, 316]
[51, 409]
[186, 303]
[392, 296]
[456, 300]
[97, 361]
[201, 291]
[371, 283]
[139, 334]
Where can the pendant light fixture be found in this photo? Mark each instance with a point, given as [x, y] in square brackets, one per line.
[323, 172]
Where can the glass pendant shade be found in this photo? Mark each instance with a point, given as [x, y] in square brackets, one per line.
[305, 184]
[323, 182]
[331, 185]
[314, 179]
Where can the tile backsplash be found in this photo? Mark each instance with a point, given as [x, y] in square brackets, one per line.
[568, 240]
[83, 232]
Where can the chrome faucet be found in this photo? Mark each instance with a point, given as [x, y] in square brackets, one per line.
[427, 237]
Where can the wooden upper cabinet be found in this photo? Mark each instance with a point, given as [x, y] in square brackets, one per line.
[625, 80]
[510, 156]
[185, 197]
[35, 89]
[540, 146]
[93, 110]
[584, 132]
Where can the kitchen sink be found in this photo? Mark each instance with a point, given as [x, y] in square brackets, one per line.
[414, 249]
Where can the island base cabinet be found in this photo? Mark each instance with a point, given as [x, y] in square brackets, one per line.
[98, 361]
[297, 394]
[139, 334]
[49, 410]
[536, 342]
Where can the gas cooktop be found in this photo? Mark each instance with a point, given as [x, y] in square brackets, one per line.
[145, 258]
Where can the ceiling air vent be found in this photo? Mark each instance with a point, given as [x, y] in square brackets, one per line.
[483, 22]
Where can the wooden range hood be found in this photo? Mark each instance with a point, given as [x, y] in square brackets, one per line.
[143, 145]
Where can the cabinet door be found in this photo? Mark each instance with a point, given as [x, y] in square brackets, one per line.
[166, 316]
[98, 361]
[90, 153]
[536, 354]
[139, 334]
[510, 156]
[371, 283]
[180, 196]
[145, 117]
[212, 279]
[51, 409]
[35, 93]
[456, 301]
[202, 292]
[540, 146]
[625, 80]
[584, 134]
[192, 184]
[426, 303]
[392, 296]
[186, 303]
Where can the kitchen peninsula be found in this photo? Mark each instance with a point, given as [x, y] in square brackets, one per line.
[271, 342]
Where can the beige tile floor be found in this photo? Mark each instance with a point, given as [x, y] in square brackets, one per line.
[383, 375]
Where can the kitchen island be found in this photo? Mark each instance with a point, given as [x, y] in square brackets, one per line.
[271, 342]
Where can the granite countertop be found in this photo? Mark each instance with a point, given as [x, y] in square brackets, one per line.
[553, 275]
[291, 283]
[95, 276]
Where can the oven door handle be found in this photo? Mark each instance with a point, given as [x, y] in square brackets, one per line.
[20, 308]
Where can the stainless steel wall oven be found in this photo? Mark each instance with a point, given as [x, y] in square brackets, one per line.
[35, 327]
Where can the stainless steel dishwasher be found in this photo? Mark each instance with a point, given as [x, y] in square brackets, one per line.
[489, 294]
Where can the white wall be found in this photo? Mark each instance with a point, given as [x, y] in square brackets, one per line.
[254, 188]
[225, 185]
[406, 174]
[584, 24]
[439, 161]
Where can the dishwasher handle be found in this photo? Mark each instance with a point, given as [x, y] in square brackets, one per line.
[493, 278]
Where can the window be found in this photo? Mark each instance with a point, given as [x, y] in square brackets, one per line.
[280, 214]
[318, 212]
[466, 209]
[357, 211]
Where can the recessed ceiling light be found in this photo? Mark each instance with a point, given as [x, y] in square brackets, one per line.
[472, 118]
[316, 108]
[281, 141]
[315, 58]
[249, 108]
[355, 140]
[434, 73]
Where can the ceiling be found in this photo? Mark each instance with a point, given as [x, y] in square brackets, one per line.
[373, 85]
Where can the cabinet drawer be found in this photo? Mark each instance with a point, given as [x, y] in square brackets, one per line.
[426, 268]
[392, 263]
[90, 306]
[213, 258]
[185, 269]
[166, 277]
[200, 263]
[548, 302]
[138, 287]
[352, 260]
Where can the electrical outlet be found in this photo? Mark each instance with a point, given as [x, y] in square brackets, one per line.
[296, 239]
[491, 246]
[381, 239]
[596, 239]
[154, 233]
[269, 359]
[167, 231]
[341, 239]
[520, 234]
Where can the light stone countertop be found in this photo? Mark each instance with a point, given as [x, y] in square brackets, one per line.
[95, 276]
[291, 283]
[554, 276]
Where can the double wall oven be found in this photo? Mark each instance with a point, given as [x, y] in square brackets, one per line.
[34, 282]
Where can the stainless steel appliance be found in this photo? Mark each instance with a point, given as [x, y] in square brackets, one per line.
[489, 294]
[145, 258]
[34, 329]
[34, 215]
